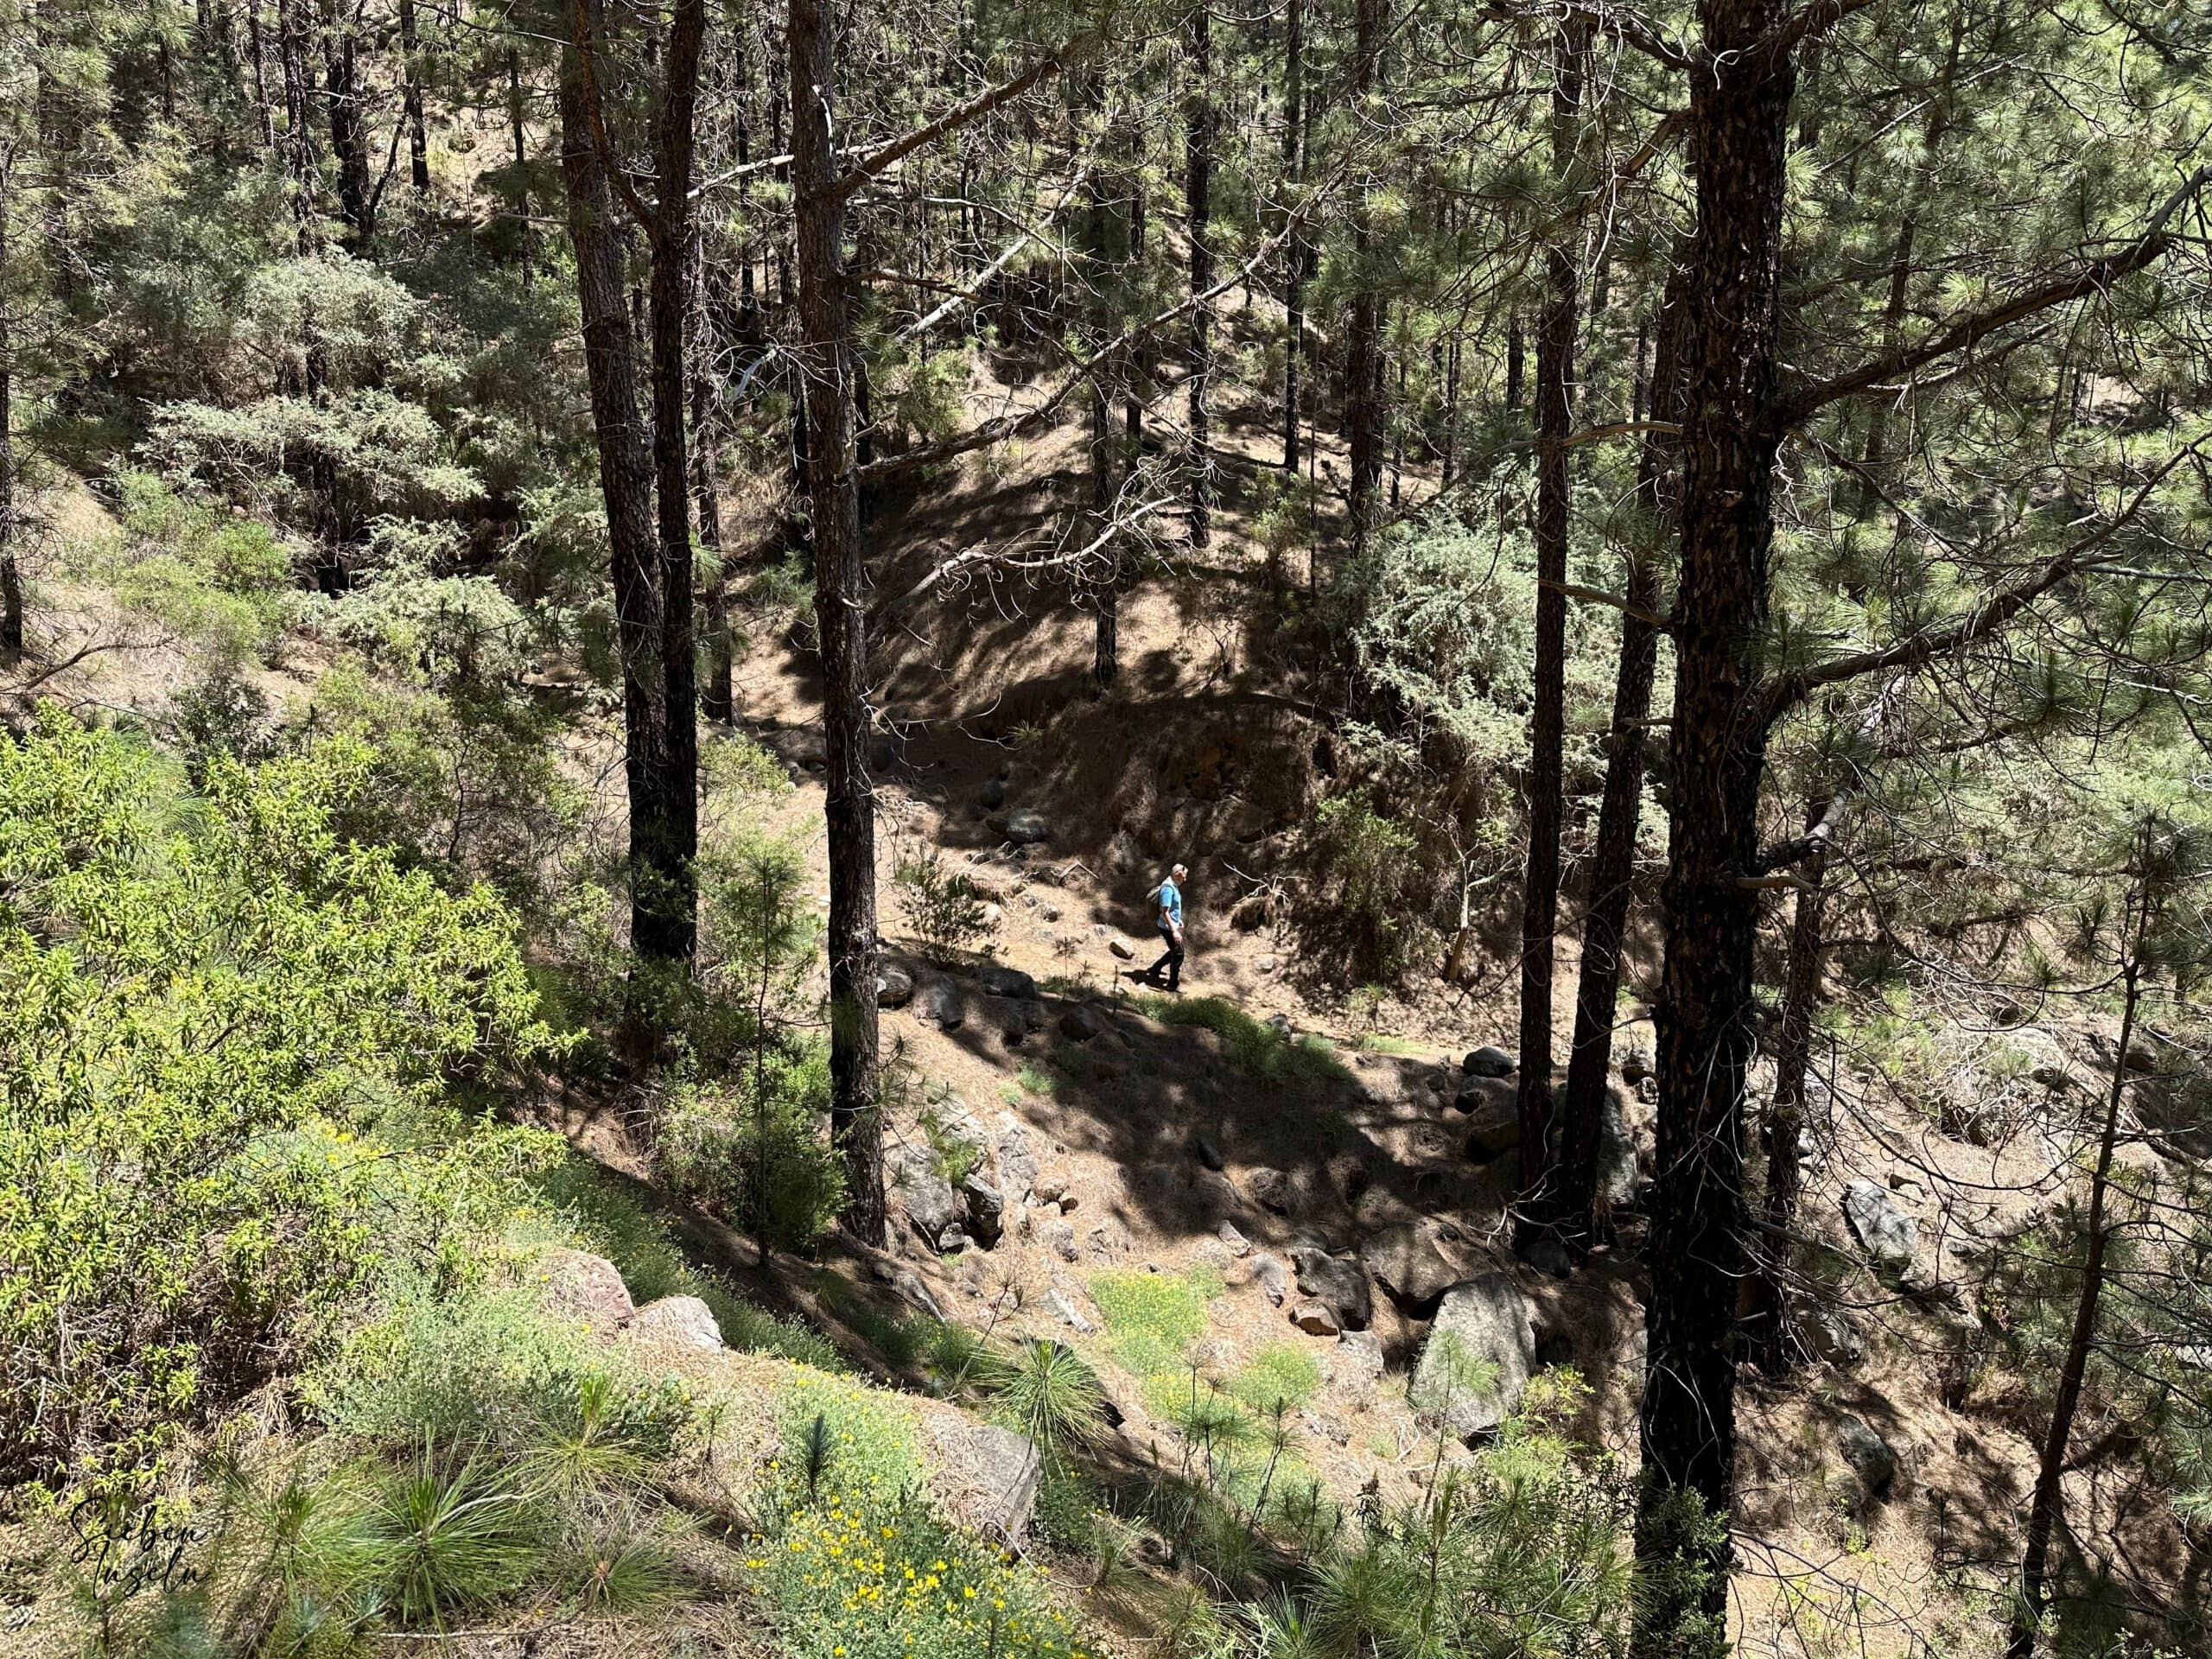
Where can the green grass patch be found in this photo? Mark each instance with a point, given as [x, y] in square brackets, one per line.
[1256, 1048]
[1280, 1373]
[1152, 1319]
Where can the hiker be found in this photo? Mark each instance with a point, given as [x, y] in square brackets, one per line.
[1170, 929]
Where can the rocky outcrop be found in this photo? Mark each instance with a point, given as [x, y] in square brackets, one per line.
[677, 1321]
[1337, 1285]
[1405, 1260]
[583, 1287]
[1479, 1356]
[1889, 1237]
[933, 1207]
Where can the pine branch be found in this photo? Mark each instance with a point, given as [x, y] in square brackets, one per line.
[1968, 331]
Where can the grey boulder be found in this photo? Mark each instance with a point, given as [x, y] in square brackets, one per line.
[1479, 1356]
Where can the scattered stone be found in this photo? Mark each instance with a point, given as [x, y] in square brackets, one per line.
[1620, 1178]
[1048, 1189]
[1490, 1062]
[1080, 1025]
[985, 1209]
[1479, 1094]
[1000, 1470]
[1066, 1311]
[1271, 1276]
[933, 1209]
[2056, 1078]
[1362, 1354]
[1122, 949]
[584, 1287]
[1482, 1325]
[1207, 1150]
[1830, 1335]
[1061, 1237]
[1314, 1319]
[1493, 1132]
[894, 987]
[1323, 1427]
[1547, 1256]
[677, 1322]
[1638, 1052]
[943, 1005]
[1267, 965]
[1280, 1022]
[909, 1285]
[1348, 1174]
[1871, 1457]
[1009, 983]
[1027, 826]
[1068, 1202]
[1238, 1245]
[1406, 1262]
[1270, 1189]
[993, 795]
[1890, 1237]
[1340, 1285]
[1017, 1163]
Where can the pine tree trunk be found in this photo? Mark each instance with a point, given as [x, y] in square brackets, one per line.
[716, 701]
[625, 476]
[1294, 252]
[418, 141]
[670, 251]
[1740, 102]
[265, 121]
[299, 134]
[1199, 202]
[1620, 810]
[1106, 650]
[840, 597]
[525, 233]
[1362, 341]
[1766, 1325]
[1547, 704]
[2051, 1470]
[349, 131]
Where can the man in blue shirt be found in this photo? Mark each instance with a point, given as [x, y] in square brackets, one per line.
[1170, 929]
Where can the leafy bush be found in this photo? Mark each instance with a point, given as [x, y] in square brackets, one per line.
[1377, 891]
[210, 576]
[761, 1154]
[1152, 1317]
[202, 1012]
[945, 908]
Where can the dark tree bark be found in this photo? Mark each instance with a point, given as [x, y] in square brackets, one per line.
[840, 586]
[1766, 1325]
[349, 130]
[299, 133]
[1294, 253]
[265, 121]
[658, 858]
[1106, 650]
[1516, 358]
[2050, 1468]
[418, 141]
[716, 701]
[1199, 202]
[670, 251]
[1362, 341]
[1548, 706]
[1740, 88]
[525, 234]
[1620, 809]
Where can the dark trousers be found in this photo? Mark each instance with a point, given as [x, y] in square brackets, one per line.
[1172, 961]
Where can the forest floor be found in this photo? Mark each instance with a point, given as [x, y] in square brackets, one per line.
[1208, 1152]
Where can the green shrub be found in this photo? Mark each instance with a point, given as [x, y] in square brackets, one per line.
[763, 1159]
[945, 908]
[229, 1032]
